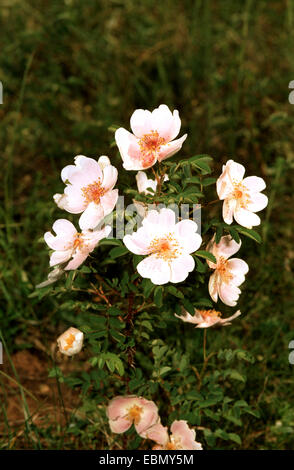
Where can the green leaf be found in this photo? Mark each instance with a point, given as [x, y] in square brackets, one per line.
[158, 294]
[249, 233]
[118, 251]
[206, 255]
[176, 292]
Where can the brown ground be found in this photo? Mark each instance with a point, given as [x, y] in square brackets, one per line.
[49, 403]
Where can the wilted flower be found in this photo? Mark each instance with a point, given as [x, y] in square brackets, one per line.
[229, 273]
[89, 189]
[152, 138]
[71, 341]
[143, 183]
[207, 318]
[242, 197]
[68, 243]
[52, 277]
[123, 411]
[181, 437]
[168, 245]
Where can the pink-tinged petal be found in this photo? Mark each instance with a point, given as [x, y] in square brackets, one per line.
[59, 257]
[255, 184]
[143, 183]
[103, 162]
[188, 318]
[155, 269]
[258, 202]
[229, 206]
[176, 126]
[77, 259]
[162, 121]
[226, 247]
[239, 269]
[181, 430]
[171, 148]
[91, 217]
[227, 321]
[148, 418]
[65, 233]
[181, 267]
[109, 177]
[139, 242]
[66, 172]
[229, 294]
[224, 185]
[108, 201]
[141, 122]
[129, 150]
[87, 171]
[120, 426]
[189, 240]
[158, 433]
[246, 218]
[93, 238]
[118, 406]
[75, 202]
[236, 171]
[213, 286]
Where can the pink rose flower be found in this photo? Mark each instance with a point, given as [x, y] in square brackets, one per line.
[68, 243]
[123, 411]
[71, 341]
[168, 245]
[89, 189]
[181, 437]
[242, 197]
[152, 138]
[228, 274]
[207, 318]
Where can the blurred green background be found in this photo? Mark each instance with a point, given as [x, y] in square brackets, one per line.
[73, 69]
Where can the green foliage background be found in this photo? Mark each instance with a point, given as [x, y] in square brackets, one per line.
[70, 71]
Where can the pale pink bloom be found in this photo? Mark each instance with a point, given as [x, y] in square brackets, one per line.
[152, 138]
[242, 197]
[68, 243]
[71, 341]
[207, 318]
[89, 189]
[229, 273]
[181, 437]
[143, 183]
[123, 411]
[168, 245]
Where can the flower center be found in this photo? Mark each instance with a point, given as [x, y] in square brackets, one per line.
[222, 268]
[166, 248]
[69, 341]
[175, 443]
[134, 413]
[78, 241]
[209, 313]
[240, 193]
[93, 192]
[150, 145]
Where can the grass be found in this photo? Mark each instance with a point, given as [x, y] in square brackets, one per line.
[72, 70]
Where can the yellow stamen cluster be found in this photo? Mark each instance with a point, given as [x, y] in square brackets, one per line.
[174, 444]
[166, 248]
[209, 313]
[222, 268]
[149, 146]
[241, 194]
[134, 413]
[93, 192]
[78, 241]
[69, 341]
